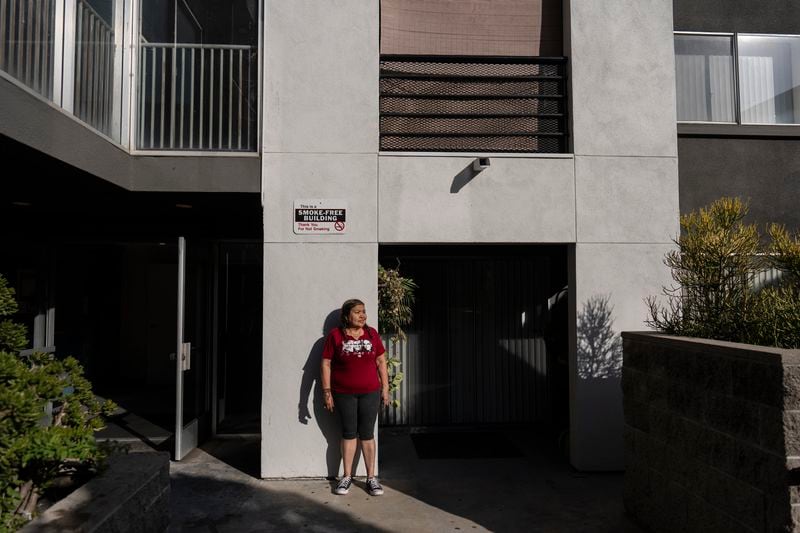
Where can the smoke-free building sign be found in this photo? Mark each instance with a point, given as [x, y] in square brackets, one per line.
[320, 217]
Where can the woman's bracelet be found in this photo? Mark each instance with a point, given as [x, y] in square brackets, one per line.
[326, 391]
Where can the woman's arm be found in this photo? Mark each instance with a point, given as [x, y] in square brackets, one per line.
[383, 372]
[325, 378]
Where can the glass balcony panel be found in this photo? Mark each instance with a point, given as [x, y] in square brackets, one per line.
[705, 78]
[27, 29]
[198, 76]
[769, 79]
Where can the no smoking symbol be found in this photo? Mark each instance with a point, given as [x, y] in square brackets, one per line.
[339, 226]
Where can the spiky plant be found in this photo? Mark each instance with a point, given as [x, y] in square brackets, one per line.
[714, 266]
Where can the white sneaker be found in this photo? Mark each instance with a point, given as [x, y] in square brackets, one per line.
[373, 487]
[344, 485]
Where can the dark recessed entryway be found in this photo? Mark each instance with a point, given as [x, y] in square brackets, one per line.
[96, 270]
[488, 345]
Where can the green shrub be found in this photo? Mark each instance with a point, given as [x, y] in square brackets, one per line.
[777, 310]
[395, 297]
[776, 318]
[714, 266]
[785, 252]
[37, 446]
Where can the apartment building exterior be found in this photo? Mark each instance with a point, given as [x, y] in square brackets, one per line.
[743, 137]
[519, 159]
[327, 137]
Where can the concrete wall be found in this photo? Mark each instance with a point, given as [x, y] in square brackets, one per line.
[710, 434]
[626, 193]
[441, 199]
[763, 16]
[131, 495]
[765, 171]
[320, 141]
[321, 76]
[303, 285]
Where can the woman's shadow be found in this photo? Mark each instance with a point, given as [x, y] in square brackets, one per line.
[327, 422]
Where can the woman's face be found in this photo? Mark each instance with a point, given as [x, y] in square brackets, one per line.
[357, 317]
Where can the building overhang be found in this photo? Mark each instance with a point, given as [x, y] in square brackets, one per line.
[41, 125]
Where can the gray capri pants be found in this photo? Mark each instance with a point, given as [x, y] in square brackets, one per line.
[358, 413]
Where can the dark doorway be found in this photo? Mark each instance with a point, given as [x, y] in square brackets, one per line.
[240, 323]
[113, 306]
[488, 345]
[96, 269]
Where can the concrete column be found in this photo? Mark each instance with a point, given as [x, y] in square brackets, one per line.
[304, 285]
[626, 201]
[320, 141]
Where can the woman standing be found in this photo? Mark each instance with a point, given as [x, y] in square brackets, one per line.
[355, 380]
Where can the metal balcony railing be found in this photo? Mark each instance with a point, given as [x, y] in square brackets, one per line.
[26, 42]
[94, 68]
[473, 104]
[187, 96]
[197, 97]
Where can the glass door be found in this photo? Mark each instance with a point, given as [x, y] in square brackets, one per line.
[193, 340]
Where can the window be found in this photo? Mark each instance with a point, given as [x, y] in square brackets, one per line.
[769, 79]
[705, 77]
[767, 67]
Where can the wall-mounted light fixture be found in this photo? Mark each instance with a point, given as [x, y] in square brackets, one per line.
[480, 163]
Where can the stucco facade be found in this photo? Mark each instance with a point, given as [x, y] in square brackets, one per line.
[613, 200]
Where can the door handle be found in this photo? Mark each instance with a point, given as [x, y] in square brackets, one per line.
[186, 356]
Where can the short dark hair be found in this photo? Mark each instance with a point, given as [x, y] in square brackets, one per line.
[348, 306]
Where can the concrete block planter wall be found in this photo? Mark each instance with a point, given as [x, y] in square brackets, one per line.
[132, 495]
[712, 434]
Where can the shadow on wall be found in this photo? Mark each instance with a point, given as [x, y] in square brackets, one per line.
[599, 348]
[463, 178]
[327, 422]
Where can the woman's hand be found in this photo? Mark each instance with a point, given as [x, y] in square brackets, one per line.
[383, 374]
[325, 382]
[385, 397]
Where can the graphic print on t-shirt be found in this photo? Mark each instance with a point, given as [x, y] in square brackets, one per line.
[356, 347]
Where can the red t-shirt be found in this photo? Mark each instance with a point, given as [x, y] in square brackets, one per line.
[353, 367]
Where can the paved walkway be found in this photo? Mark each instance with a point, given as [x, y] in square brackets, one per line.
[213, 491]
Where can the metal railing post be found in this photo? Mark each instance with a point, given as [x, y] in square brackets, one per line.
[115, 124]
[5, 34]
[37, 48]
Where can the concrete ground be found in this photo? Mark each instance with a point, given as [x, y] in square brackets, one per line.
[214, 490]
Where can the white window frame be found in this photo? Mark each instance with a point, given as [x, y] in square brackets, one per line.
[736, 88]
